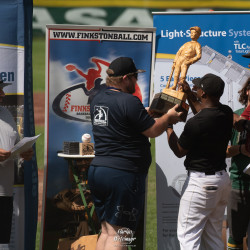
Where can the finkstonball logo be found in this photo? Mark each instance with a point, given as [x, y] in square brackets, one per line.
[124, 236]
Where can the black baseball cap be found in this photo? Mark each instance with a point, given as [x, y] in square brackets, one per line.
[247, 55]
[211, 84]
[4, 84]
[122, 66]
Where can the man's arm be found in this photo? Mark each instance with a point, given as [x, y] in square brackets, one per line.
[237, 149]
[241, 123]
[174, 145]
[191, 97]
[4, 155]
[160, 125]
[27, 155]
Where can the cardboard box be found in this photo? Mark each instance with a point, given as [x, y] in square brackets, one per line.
[65, 243]
[85, 242]
[86, 148]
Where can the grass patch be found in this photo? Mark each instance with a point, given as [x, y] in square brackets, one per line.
[38, 235]
[151, 222]
[40, 147]
[38, 57]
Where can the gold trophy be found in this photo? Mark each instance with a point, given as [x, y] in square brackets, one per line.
[188, 54]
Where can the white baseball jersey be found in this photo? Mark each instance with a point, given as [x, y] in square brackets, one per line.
[8, 137]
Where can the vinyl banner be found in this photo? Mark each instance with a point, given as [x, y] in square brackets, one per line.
[117, 13]
[225, 38]
[77, 60]
[16, 69]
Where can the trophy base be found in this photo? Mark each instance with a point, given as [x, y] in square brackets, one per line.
[162, 102]
[175, 94]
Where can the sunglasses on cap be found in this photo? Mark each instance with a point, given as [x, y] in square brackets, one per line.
[135, 75]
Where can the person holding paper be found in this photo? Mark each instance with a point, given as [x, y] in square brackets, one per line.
[238, 210]
[8, 137]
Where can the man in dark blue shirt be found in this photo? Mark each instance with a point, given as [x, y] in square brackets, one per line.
[121, 127]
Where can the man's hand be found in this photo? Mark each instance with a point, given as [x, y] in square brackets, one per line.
[239, 122]
[174, 115]
[185, 87]
[161, 123]
[27, 155]
[153, 113]
[4, 155]
[244, 150]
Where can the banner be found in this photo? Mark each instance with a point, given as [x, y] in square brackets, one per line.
[77, 59]
[117, 13]
[225, 38]
[16, 68]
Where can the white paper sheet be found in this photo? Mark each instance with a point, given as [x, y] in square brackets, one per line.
[23, 145]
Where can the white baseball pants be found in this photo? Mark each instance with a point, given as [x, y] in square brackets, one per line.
[201, 211]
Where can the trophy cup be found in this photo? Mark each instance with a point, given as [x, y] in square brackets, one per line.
[188, 54]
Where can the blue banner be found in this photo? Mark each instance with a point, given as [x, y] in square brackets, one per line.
[30, 168]
[16, 68]
[225, 38]
[230, 37]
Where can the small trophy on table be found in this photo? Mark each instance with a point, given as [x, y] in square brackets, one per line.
[188, 54]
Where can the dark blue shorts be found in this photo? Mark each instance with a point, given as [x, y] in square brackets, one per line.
[118, 195]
